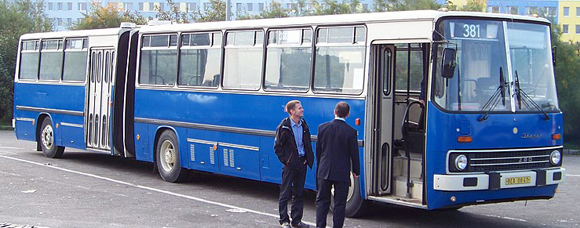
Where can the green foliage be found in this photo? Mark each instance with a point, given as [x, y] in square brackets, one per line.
[107, 17]
[403, 5]
[174, 13]
[17, 17]
[472, 5]
[567, 81]
[215, 12]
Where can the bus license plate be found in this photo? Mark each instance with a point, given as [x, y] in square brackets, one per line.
[518, 180]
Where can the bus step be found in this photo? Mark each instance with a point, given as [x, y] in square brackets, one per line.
[401, 188]
[400, 167]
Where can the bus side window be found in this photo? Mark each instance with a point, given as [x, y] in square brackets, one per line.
[29, 58]
[51, 60]
[289, 55]
[158, 60]
[200, 59]
[405, 66]
[339, 60]
[75, 60]
[243, 60]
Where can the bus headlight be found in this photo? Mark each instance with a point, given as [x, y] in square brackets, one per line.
[461, 162]
[555, 157]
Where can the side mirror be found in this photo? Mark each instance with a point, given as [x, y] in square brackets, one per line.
[448, 64]
[554, 52]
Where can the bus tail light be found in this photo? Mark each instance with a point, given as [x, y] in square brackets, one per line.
[464, 139]
[556, 136]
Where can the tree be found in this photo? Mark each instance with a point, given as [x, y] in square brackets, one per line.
[216, 11]
[174, 14]
[567, 81]
[403, 5]
[472, 5]
[107, 17]
[274, 10]
[18, 17]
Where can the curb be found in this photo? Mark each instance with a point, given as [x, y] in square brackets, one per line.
[571, 152]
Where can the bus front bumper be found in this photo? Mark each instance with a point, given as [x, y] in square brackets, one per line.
[499, 180]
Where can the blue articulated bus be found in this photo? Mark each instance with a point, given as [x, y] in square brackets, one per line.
[451, 108]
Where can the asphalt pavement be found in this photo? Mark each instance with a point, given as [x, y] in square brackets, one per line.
[85, 189]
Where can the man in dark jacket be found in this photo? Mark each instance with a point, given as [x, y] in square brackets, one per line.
[336, 149]
[294, 149]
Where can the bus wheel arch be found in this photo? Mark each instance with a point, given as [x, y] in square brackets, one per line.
[45, 139]
[355, 204]
[167, 156]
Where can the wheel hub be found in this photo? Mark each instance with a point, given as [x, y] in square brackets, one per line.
[47, 137]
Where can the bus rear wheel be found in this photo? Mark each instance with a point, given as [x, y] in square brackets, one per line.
[167, 158]
[46, 136]
[355, 204]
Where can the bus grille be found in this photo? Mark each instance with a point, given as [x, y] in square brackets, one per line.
[506, 161]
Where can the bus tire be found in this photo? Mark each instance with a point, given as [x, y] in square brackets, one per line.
[355, 205]
[167, 158]
[46, 137]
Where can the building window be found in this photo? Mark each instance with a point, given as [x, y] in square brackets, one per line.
[191, 7]
[140, 6]
[551, 11]
[495, 9]
[289, 5]
[162, 6]
[239, 7]
[59, 5]
[565, 29]
[566, 11]
[82, 6]
[151, 6]
[250, 6]
[366, 6]
[69, 21]
[206, 5]
[69, 6]
[59, 21]
[260, 7]
[512, 10]
[50, 6]
[127, 6]
[531, 10]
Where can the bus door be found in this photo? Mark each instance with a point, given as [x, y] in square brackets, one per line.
[99, 98]
[383, 60]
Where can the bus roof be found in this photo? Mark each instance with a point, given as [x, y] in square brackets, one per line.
[422, 15]
[74, 33]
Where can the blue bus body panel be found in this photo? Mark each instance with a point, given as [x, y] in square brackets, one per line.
[238, 154]
[497, 132]
[46, 96]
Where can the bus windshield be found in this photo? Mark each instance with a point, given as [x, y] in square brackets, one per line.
[499, 66]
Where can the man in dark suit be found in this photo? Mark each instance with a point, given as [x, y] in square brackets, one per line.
[293, 147]
[336, 149]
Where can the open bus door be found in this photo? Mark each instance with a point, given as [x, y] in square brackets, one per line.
[383, 59]
[397, 135]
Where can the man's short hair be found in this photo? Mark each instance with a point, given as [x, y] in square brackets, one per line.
[342, 109]
[291, 105]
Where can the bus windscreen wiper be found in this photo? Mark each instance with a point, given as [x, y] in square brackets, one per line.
[498, 95]
[527, 101]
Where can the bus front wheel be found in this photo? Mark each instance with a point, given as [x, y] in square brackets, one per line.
[46, 136]
[355, 204]
[167, 158]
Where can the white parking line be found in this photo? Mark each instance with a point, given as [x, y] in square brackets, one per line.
[11, 148]
[572, 175]
[151, 189]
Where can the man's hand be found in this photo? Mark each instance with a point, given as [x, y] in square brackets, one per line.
[355, 175]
